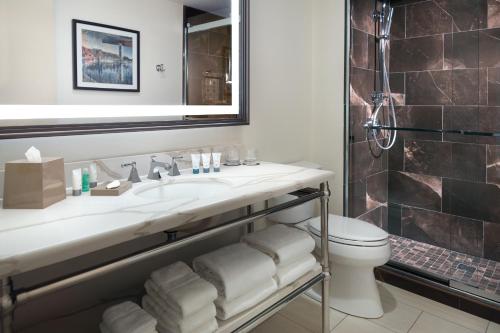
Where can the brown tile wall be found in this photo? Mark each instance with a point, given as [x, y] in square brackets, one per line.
[208, 51]
[368, 176]
[445, 189]
[445, 69]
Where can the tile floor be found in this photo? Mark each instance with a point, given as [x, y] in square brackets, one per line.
[479, 273]
[405, 313]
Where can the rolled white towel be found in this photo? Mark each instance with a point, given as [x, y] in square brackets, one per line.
[118, 311]
[235, 270]
[228, 309]
[289, 273]
[173, 276]
[138, 321]
[283, 244]
[208, 327]
[186, 299]
[185, 325]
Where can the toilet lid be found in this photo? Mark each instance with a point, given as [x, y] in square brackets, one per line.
[349, 231]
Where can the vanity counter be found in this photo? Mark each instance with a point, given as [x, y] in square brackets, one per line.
[30, 239]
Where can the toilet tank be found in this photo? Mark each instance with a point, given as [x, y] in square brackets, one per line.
[296, 214]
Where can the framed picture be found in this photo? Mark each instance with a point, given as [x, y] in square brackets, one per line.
[105, 57]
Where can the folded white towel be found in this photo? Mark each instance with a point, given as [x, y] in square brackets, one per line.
[208, 327]
[235, 270]
[173, 276]
[289, 273]
[138, 321]
[228, 309]
[186, 299]
[103, 328]
[118, 311]
[284, 244]
[185, 325]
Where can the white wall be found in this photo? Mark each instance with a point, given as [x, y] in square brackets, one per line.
[37, 34]
[27, 63]
[161, 25]
[281, 79]
[327, 140]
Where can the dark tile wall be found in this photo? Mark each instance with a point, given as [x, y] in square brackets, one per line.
[445, 68]
[368, 176]
[445, 74]
[209, 54]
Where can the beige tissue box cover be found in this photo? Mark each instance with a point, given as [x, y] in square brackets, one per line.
[34, 185]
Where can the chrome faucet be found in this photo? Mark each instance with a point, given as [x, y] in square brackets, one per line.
[134, 175]
[154, 169]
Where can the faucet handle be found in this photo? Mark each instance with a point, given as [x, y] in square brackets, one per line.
[134, 174]
[174, 170]
[132, 164]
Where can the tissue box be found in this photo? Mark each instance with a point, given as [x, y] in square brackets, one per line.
[34, 185]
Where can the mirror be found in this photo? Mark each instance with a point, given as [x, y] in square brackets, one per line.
[111, 62]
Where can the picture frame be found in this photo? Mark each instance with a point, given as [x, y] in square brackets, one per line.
[105, 57]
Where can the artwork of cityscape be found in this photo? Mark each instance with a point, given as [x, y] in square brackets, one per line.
[106, 59]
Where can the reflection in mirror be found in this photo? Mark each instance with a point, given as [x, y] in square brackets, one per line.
[208, 52]
[116, 52]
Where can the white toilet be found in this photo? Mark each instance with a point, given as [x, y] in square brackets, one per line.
[355, 248]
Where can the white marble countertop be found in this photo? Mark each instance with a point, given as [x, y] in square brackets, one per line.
[30, 239]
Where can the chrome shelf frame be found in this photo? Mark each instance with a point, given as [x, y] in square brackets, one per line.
[11, 298]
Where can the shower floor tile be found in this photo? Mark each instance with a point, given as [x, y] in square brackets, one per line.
[475, 272]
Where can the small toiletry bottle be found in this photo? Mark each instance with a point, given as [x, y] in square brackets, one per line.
[196, 159]
[206, 157]
[93, 175]
[216, 159]
[77, 182]
[85, 180]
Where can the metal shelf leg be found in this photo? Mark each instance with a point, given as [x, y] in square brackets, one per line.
[325, 260]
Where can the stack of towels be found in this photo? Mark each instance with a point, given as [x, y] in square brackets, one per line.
[127, 317]
[290, 248]
[180, 300]
[242, 275]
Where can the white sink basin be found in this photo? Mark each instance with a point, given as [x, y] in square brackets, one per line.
[182, 190]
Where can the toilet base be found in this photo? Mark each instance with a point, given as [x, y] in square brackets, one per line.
[353, 291]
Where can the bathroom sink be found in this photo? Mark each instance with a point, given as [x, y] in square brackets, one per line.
[182, 190]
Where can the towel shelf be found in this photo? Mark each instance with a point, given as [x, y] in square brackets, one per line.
[10, 298]
[250, 319]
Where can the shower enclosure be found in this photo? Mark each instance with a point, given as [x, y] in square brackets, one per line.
[424, 136]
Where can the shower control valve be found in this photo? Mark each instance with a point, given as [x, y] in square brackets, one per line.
[377, 15]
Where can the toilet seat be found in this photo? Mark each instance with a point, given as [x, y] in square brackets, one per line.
[348, 231]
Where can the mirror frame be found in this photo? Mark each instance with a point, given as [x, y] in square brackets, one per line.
[243, 118]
